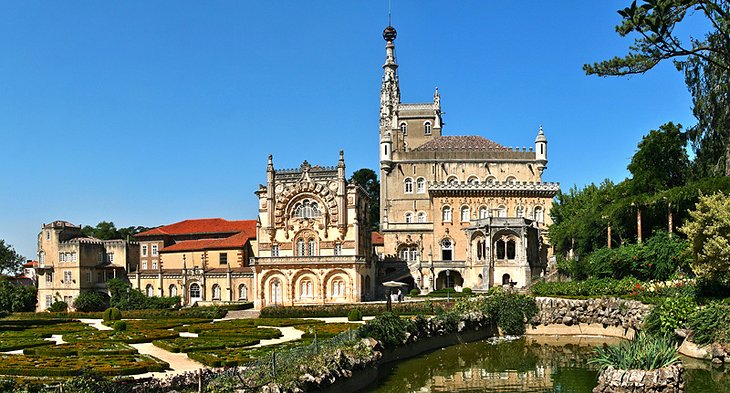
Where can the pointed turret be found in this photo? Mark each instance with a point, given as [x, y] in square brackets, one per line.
[390, 90]
[541, 150]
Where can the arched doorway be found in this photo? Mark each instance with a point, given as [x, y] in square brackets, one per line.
[506, 280]
[450, 280]
[195, 293]
[277, 290]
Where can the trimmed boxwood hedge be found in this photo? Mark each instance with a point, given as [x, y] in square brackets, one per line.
[328, 330]
[15, 343]
[246, 323]
[161, 324]
[84, 348]
[258, 333]
[52, 366]
[341, 310]
[187, 344]
[129, 337]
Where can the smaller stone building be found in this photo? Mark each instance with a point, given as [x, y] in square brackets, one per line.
[201, 260]
[69, 263]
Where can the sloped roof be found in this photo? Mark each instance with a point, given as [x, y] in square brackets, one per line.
[238, 240]
[377, 239]
[468, 142]
[202, 225]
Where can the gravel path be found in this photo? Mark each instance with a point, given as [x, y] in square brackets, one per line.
[179, 362]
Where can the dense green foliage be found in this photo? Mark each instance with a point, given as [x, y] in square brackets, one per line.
[124, 297]
[643, 352]
[106, 230]
[112, 314]
[342, 310]
[368, 180]
[120, 326]
[670, 314]
[58, 306]
[90, 301]
[10, 260]
[708, 231]
[354, 315]
[710, 324]
[16, 298]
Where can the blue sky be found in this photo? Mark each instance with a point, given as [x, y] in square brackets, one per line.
[147, 113]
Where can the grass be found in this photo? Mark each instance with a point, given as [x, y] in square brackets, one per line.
[644, 352]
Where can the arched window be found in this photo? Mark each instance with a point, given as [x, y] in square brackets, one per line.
[473, 180]
[409, 218]
[481, 254]
[301, 251]
[511, 180]
[465, 214]
[427, 128]
[306, 209]
[500, 247]
[502, 211]
[519, 211]
[338, 287]
[311, 247]
[305, 288]
[173, 290]
[194, 291]
[446, 214]
[150, 290]
[408, 253]
[452, 179]
[408, 185]
[421, 217]
[511, 249]
[447, 250]
[539, 214]
[483, 212]
[404, 128]
[216, 292]
[276, 291]
[242, 292]
[421, 185]
[491, 180]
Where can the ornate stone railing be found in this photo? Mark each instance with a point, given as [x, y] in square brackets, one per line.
[330, 259]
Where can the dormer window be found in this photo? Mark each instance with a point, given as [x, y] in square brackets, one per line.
[404, 128]
[427, 128]
[306, 209]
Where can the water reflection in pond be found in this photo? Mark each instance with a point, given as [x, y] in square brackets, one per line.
[533, 364]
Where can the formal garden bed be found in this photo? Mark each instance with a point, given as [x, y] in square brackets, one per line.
[85, 348]
[56, 366]
[191, 344]
[129, 337]
[342, 310]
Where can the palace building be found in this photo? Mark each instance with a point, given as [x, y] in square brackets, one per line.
[457, 211]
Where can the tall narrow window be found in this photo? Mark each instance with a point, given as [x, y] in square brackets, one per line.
[408, 183]
[275, 250]
[144, 250]
[511, 249]
[483, 212]
[404, 128]
[305, 289]
[409, 218]
[500, 249]
[311, 247]
[154, 250]
[519, 211]
[421, 218]
[447, 249]
[67, 277]
[216, 292]
[338, 249]
[223, 258]
[502, 211]
[194, 291]
[539, 216]
[427, 128]
[150, 290]
[301, 251]
[421, 185]
[446, 214]
[173, 290]
[242, 292]
[465, 214]
[49, 277]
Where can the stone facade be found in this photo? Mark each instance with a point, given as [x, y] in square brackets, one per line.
[69, 263]
[312, 243]
[665, 380]
[457, 211]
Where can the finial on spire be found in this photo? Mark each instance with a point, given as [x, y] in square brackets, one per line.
[342, 155]
[437, 98]
[390, 33]
[541, 129]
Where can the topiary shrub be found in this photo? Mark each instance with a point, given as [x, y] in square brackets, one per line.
[58, 306]
[415, 292]
[354, 315]
[120, 326]
[112, 314]
[466, 291]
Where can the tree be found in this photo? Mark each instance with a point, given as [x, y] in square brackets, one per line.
[704, 61]
[368, 180]
[10, 260]
[15, 298]
[106, 230]
[708, 231]
[661, 161]
[88, 301]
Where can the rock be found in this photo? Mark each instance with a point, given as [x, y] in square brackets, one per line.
[568, 321]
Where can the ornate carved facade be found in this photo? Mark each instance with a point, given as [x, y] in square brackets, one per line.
[457, 211]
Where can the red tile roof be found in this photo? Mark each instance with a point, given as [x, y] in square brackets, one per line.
[377, 239]
[238, 240]
[202, 226]
[470, 142]
[31, 264]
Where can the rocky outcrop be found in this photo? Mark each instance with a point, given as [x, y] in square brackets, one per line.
[665, 380]
[606, 312]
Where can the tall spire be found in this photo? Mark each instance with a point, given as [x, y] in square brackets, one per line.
[390, 90]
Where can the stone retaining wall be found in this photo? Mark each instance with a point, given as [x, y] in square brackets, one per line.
[665, 380]
[606, 312]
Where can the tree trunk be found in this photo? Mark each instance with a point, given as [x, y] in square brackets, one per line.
[727, 155]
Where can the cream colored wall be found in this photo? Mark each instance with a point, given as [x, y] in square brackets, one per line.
[174, 260]
[206, 287]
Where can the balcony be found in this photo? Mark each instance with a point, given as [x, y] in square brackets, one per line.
[339, 259]
[446, 264]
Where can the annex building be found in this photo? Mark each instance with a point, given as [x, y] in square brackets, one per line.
[455, 211]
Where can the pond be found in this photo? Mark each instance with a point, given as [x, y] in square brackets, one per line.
[532, 364]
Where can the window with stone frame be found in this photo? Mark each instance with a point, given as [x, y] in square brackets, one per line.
[483, 212]
[465, 214]
[539, 214]
[427, 128]
[306, 208]
[338, 249]
[404, 128]
[408, 185]
[421, 217]
[275, 250]
[223, 258]
[301, 248]
[67, 277]
[447, 250]
[409, 217]
[446, 214]
[421, 185]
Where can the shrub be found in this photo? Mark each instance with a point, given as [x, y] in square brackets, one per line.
[415, 292]
[670, 314]
[341, 310]
[512, 311]
[388, 328]
[644, 352]
[58, 306]
[466, 291]
[120, 326]
[89, 301]
[112, 314]
[354, 315]
[711, 324]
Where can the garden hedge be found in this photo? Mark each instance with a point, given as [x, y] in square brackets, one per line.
[186, 344]
[53, 366]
